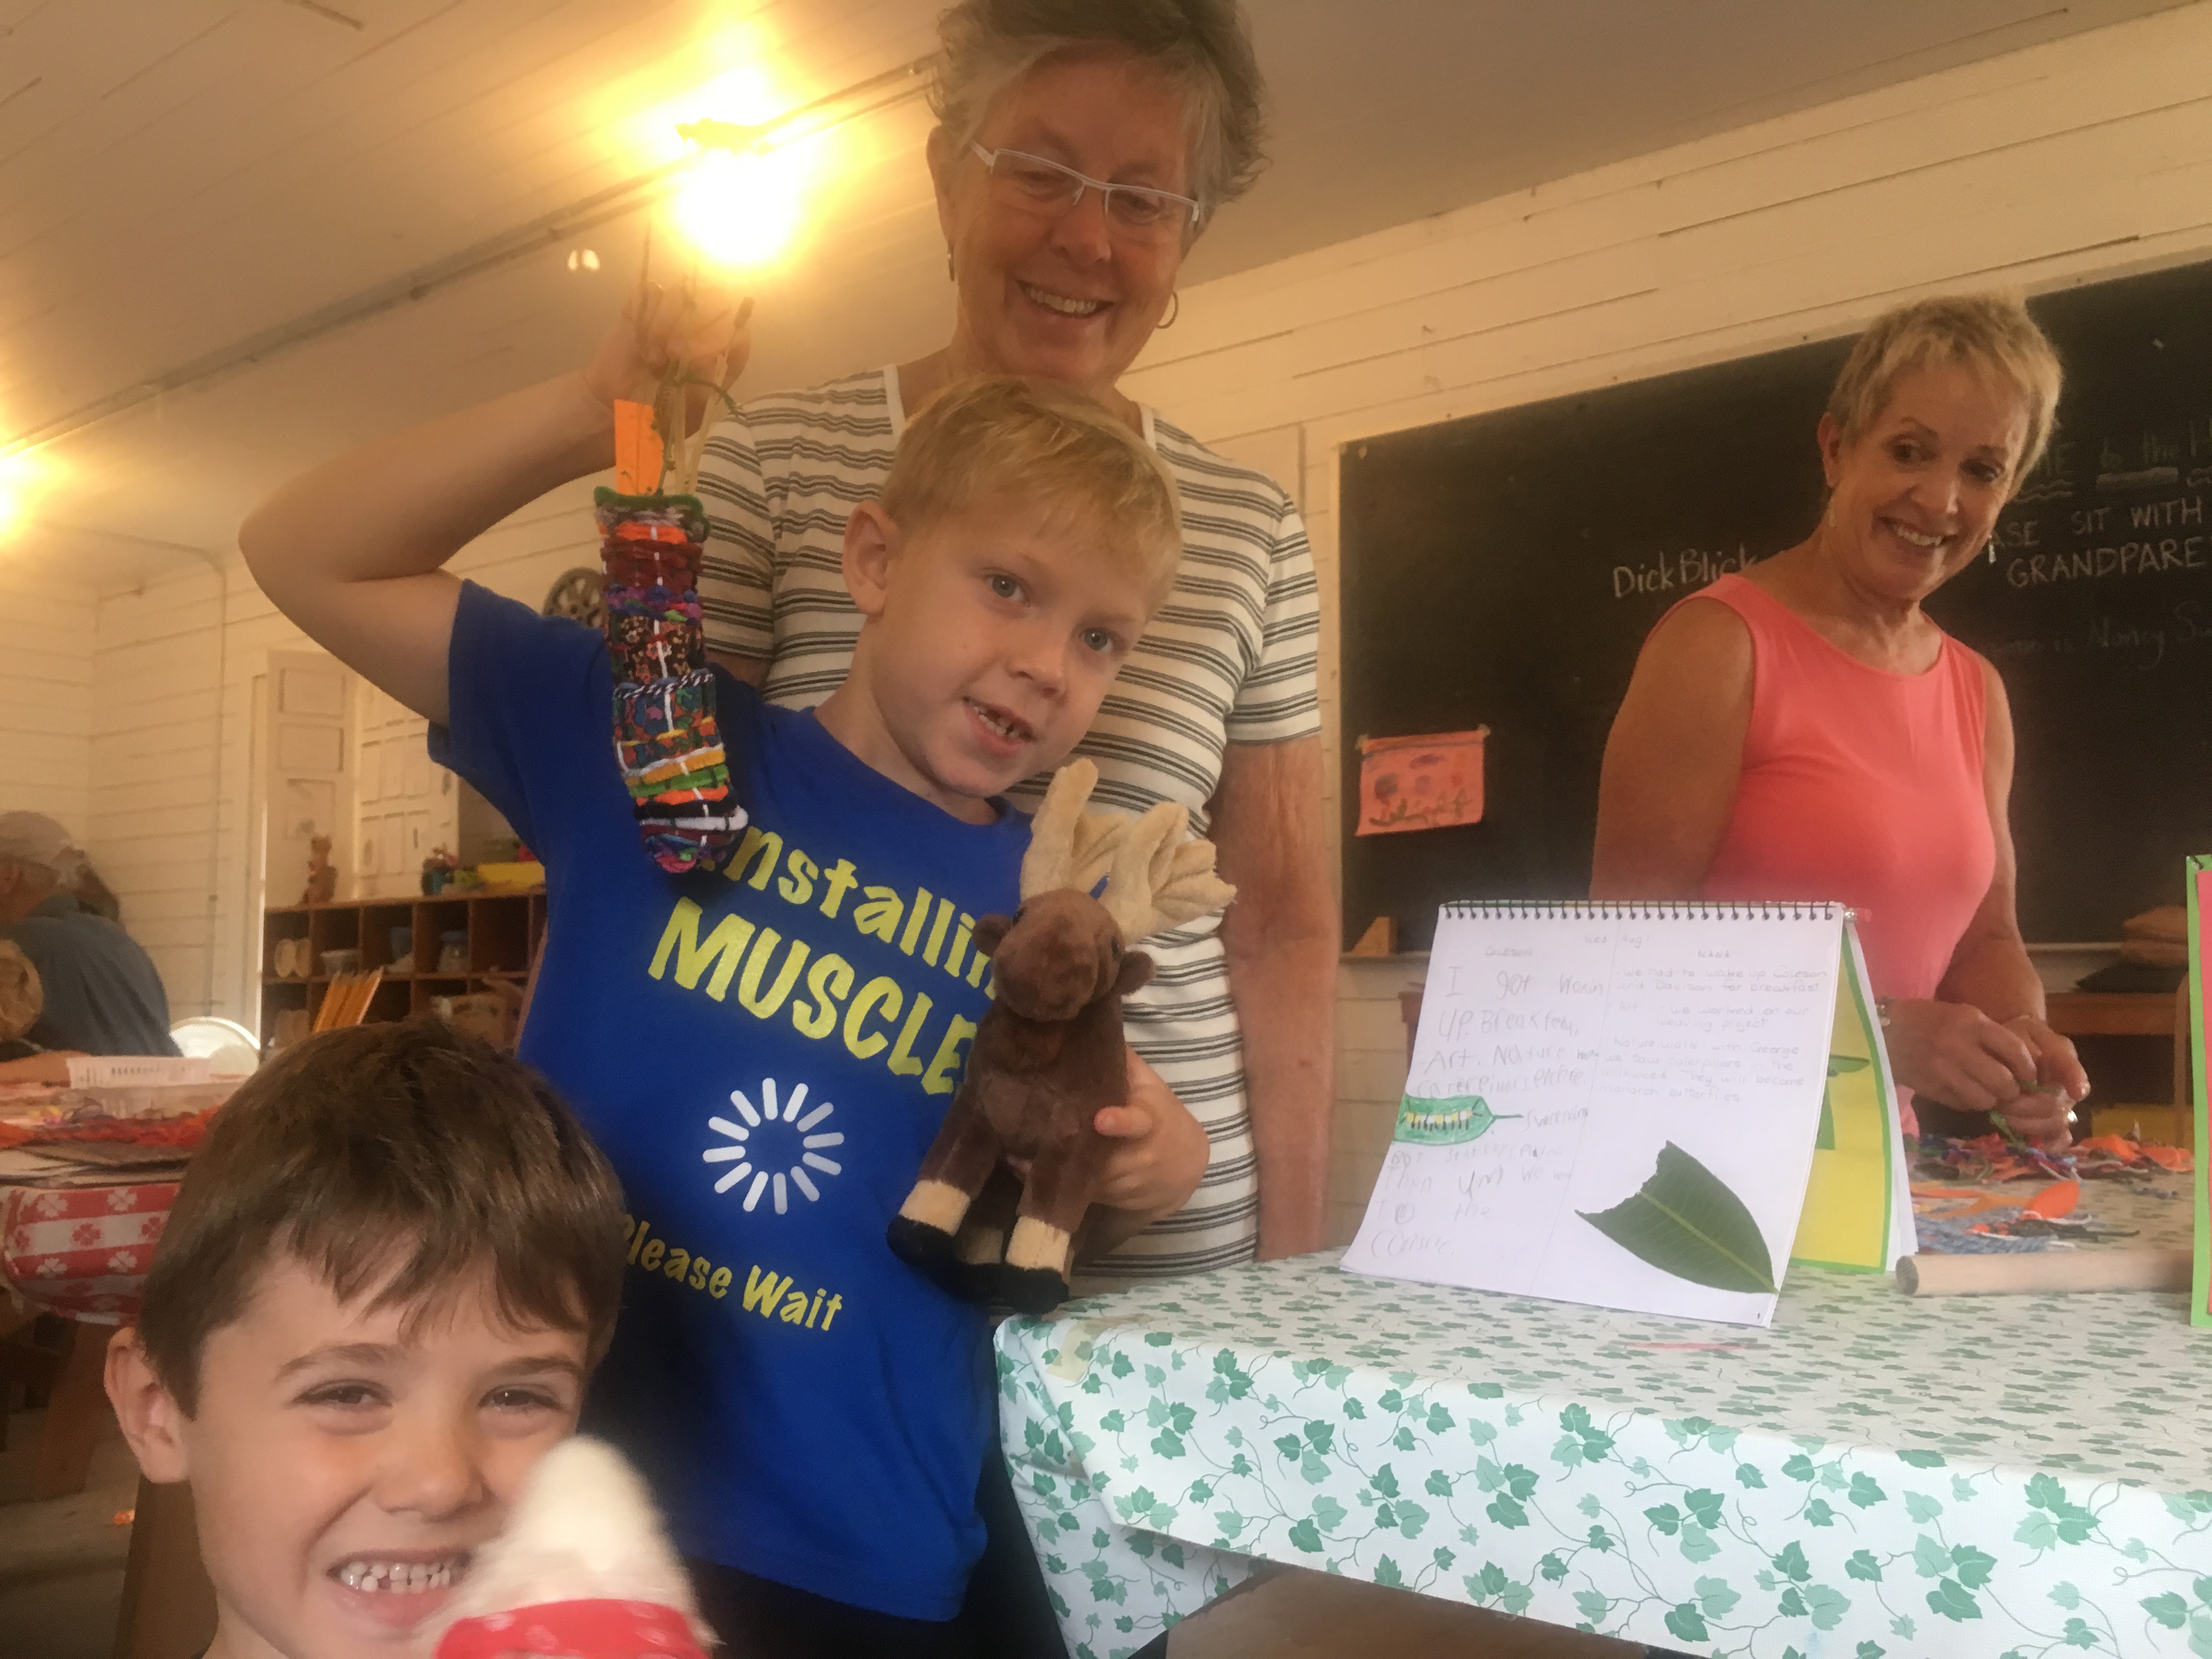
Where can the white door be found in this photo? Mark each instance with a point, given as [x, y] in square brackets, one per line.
[308, 783]
[407, 808]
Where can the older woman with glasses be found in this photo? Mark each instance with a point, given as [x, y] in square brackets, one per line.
[1081, 150]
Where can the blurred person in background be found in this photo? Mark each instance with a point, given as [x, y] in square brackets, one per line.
[102, 992]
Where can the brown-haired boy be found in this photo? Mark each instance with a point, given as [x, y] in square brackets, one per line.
[390, 1271]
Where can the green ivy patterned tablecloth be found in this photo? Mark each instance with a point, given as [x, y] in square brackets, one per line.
[1872, 1475]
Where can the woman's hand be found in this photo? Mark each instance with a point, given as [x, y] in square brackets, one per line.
[701, 327]
[2057, 1065]
[1159, 1151]
[1957, 1054]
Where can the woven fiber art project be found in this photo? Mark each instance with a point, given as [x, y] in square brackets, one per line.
[665, 736]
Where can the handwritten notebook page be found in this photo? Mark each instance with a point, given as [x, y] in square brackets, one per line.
[1611, 1107]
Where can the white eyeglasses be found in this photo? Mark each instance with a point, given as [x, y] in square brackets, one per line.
[1034, 184]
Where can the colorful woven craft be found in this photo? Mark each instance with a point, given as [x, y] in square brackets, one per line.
[665, 738]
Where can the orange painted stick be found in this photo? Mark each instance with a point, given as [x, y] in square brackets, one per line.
[639, 456]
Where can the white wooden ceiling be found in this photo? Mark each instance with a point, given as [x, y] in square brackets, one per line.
[189, 184]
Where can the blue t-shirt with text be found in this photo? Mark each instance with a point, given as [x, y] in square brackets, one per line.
[766, 1056]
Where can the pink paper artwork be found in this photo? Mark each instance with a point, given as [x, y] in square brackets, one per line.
[1420, 782]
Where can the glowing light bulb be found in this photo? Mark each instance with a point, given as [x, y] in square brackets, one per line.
[741, 209]
[21, 476]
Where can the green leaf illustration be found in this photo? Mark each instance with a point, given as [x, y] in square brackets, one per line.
[1839, 1066]
[1684, 1221]
[1451, 1121]
[2169, 1609]
[1715, 1598]
[1949, 1599]
[1687, 1623]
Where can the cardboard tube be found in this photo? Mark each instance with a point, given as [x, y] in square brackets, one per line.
[2041, 1271]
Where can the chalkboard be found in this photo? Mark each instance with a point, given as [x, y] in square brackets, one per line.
[1503, 570]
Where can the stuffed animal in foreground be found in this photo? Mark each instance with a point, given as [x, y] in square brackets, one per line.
[1049, 1054]
[583, 1570]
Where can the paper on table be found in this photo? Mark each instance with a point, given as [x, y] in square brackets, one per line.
[1858, 1203]
[1599, 1089]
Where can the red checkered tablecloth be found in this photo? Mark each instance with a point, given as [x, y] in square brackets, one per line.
[82, 1252]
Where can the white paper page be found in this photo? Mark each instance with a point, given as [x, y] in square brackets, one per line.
[1598, 1042]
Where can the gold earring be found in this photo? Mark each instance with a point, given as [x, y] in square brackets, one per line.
[1174, 310]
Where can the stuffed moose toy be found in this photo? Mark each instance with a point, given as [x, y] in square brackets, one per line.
[1049, 1054]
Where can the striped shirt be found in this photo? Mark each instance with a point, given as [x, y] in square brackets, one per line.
[1229, 658]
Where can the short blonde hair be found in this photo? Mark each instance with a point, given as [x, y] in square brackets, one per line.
[1038, 441]
[1202, 46]
[1989, 333]
[23, 997]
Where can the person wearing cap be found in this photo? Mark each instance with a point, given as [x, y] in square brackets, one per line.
[103, 993]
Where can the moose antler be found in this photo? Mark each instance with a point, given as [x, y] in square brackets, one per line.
[1158, 878]
[1068, 847]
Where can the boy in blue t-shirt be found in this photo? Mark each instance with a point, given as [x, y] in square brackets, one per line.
[767, 1053]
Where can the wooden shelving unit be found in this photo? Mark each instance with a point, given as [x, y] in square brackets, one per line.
[503, 931]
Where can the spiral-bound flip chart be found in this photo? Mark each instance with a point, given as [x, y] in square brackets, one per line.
[1628, 1105]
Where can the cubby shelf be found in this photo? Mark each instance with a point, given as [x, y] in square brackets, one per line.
[502, 929]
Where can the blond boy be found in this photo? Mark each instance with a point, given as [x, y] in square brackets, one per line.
[766, 1054]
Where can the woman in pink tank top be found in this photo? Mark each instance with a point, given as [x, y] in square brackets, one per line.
[1805, 731]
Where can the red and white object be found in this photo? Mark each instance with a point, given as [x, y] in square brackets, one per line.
[582, 1571]
[83, 1253]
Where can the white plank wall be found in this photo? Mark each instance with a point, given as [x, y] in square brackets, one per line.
[2063, 163]
[45, 695]
[174, 760]
[2085, 158]
[155, 750]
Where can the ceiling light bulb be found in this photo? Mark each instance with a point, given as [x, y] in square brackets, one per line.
[741, 209]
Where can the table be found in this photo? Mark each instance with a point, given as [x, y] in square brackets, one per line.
[82, 1252]
[1872, 1475]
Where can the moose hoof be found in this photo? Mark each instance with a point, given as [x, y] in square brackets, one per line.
[1033, 1290]
[917, 1243]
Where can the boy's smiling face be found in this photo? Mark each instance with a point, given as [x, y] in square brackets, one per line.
[992, 636]
[345, 1462]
